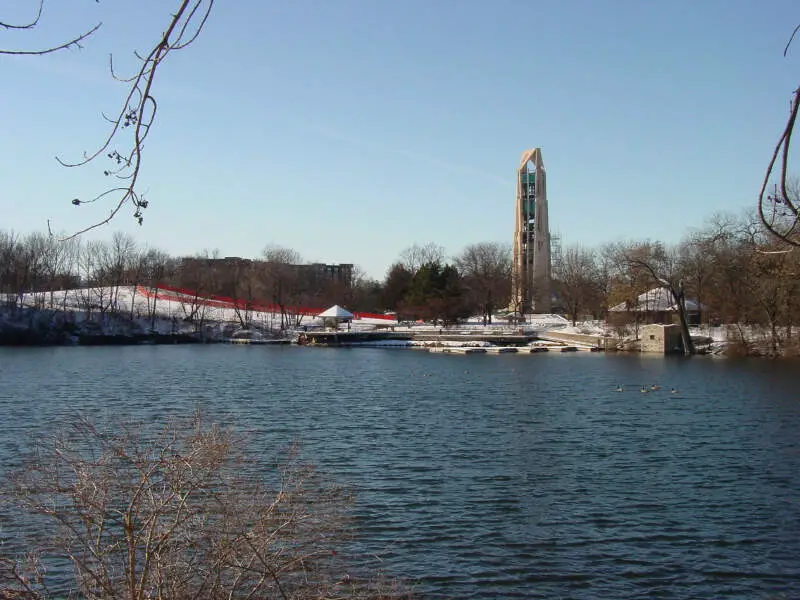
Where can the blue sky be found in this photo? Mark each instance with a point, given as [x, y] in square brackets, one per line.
[351, 129]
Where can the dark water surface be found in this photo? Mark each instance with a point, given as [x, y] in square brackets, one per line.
[492, 476]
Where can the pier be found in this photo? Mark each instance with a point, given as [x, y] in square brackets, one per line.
[339, 338]
[501, 342]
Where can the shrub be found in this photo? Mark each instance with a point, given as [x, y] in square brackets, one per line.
[175, 513]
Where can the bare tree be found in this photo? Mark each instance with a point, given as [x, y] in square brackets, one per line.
[86, 269]
[696, 253]
[98, 262]
[176, 512]
[61, 267]
[282, 282]
[135, 275]
[35, 268]
[716, 266]
[768, 293]
[55, 267]
[486, 268]
[320, 288]
[366, 294]
[122, 259]
[413, 257]
[8, 248]
[605, 281]
[578, 280]
[237, 281]
[767, 279]
[627, 281]
[281, 255]
[198, 276]
[156, 269]
[662, 265]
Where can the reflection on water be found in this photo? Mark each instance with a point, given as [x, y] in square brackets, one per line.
[492, 476]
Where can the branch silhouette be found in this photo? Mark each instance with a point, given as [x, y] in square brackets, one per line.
[72, 43]
[137, 115]
[780, 212]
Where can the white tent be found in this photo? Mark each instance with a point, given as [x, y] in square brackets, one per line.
[336, 312]
[335, 315]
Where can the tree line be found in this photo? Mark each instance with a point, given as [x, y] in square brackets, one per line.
[420, 285]
[736, 272]
[39, 265]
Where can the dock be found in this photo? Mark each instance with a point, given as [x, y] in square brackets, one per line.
[256, 342]
[503, 349]
[450, 342]
[498, 339]
[343, 338]
[457, 349]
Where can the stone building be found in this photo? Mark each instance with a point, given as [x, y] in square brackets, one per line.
[663, 339]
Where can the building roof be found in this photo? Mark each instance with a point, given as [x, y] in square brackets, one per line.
[656, 300]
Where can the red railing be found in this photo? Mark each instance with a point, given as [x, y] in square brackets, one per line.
[176, 294]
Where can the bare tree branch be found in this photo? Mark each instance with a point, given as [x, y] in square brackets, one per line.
[791, 38]
[138, 109]
[75, 42]
[779, 212]
[137, 114]
[29, 25]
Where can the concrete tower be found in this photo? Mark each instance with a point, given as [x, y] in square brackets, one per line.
[531, 274]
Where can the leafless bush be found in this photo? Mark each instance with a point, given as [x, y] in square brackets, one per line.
[176, 513]
[791, 348]
[737, 349]
[623, 332]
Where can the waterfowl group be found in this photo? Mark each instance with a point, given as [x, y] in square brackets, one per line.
[646, 389]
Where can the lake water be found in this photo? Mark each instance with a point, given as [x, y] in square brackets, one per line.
[481, 476]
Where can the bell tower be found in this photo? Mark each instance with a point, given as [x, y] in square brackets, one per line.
[531, 273]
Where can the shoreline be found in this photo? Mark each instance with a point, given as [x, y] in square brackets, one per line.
[27, 339]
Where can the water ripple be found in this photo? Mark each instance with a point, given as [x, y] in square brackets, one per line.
[490, 476]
